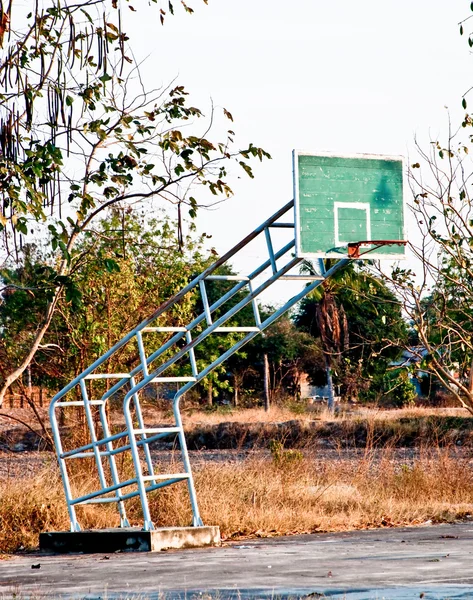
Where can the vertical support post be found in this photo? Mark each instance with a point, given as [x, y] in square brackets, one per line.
[254, 305]
[93, 435]
[136, 401]
[196, 520]
[269, 243]
[63, 469]
[205, 302]
[113, 465]
[191, 355]
[147, 522]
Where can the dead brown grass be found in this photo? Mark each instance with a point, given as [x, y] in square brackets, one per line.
[286, 494]
[268, 498]
[249, 415]
[394, 414]
[193, 418]
[405, 425]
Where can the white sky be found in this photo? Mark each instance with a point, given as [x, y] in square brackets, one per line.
[337, 76]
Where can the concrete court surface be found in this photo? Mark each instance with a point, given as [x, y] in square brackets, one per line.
[430, 562]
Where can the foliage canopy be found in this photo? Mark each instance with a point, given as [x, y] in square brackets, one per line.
[81, 133]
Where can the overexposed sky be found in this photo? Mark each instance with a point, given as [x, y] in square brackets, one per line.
[337, 76]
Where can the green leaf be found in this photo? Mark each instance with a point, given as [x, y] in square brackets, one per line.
[464, 103]
[111, 265]
[87, 15]
[73, 295]
[247, 169]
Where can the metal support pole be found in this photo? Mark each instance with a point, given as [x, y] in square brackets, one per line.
[170, 354]
[147, 522]
[113, 466]
[136, 401]
[196, 519]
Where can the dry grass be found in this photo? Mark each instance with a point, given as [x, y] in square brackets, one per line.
[414, 412]
[346, 418]
[286, 494]
[302, 495]
[280, 413]
[195, 417]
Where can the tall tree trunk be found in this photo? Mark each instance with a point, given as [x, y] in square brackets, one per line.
[267, 404]
[30, 385]
[470, 379]
[297, 385]
[331, 398]
[210, 398]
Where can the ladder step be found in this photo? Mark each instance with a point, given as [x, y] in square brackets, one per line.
[165, 476]
[83, 455]
[164, 329]
[235, 329]
[108, 376]
[99, 501]
[172, 379]
[157, 430]
[284, 225]
[302, 277]
[227, 278]
[80, 403]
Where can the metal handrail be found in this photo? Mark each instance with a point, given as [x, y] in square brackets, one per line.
[139, 438]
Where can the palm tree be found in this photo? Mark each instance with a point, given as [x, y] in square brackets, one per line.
[353, 313]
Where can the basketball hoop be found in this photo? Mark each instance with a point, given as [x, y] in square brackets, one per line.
[354, 247]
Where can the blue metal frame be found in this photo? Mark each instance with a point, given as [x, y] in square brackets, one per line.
[136, 437]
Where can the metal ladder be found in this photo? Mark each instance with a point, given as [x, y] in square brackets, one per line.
[155, 367]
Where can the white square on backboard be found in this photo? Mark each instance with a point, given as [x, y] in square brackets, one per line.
[361, 206]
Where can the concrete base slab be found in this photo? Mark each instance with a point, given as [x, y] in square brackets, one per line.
[128, 539]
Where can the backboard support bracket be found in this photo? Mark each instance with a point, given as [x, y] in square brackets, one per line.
[354, 247]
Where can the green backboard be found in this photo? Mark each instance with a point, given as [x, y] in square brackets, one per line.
[348, 199]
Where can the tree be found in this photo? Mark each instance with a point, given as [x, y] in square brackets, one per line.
[80, 132]
[290, 353]
[361, 328]
[437, 294]
[438, 297]
[127, 267]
